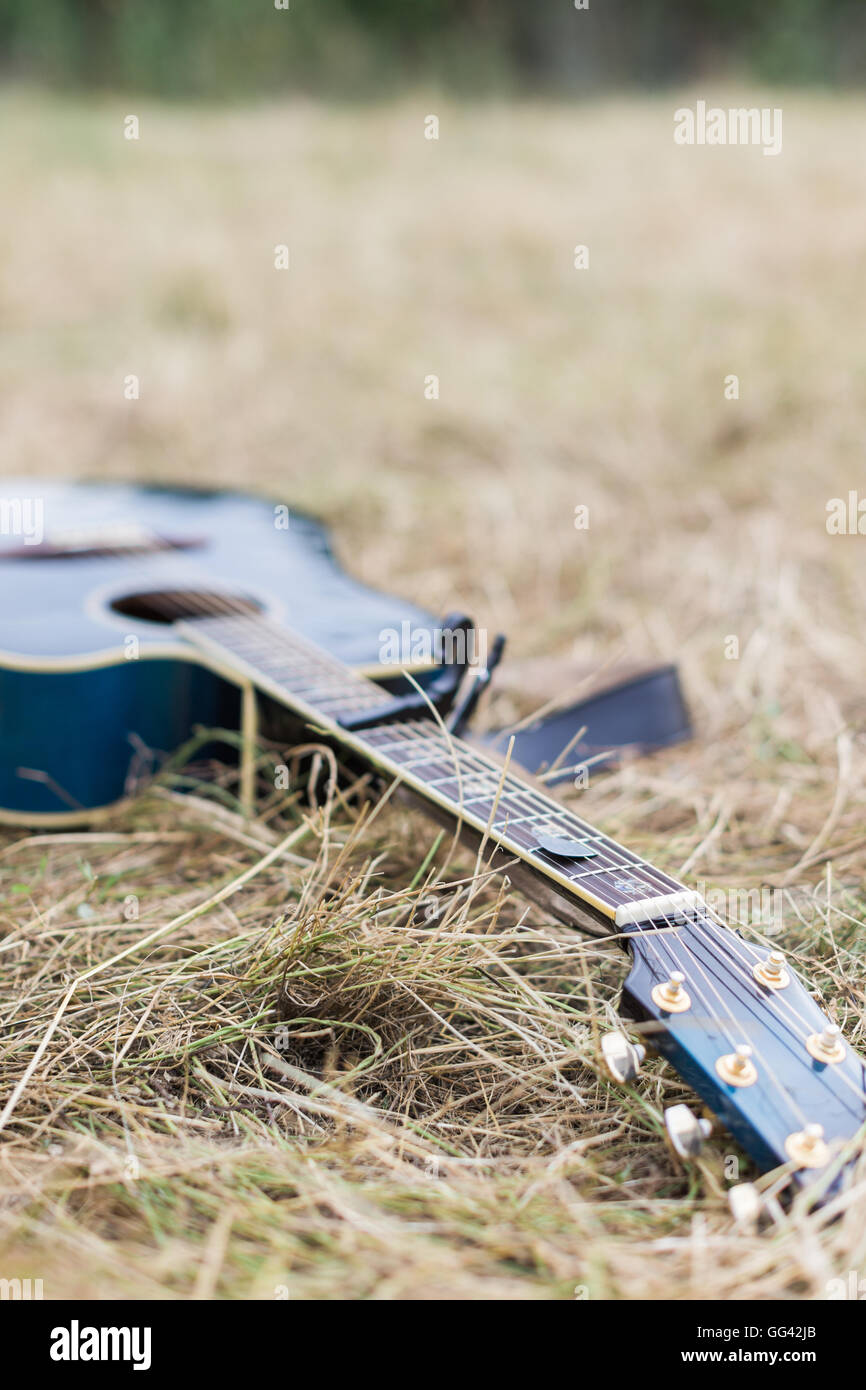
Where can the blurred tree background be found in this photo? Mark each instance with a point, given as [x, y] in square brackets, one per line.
[223, 48]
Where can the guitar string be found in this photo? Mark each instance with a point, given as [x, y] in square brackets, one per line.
[540, 806]
[505, 831]
[514, 795]
[544, 807]
[471, 763]
[727, 940]
[693, 959]
[786, 1092]
[778, 999]
[224, 605]
[666, 945]
[721, 936]
[520, 795]
[724, 934]
[227, 606]
[701, 999]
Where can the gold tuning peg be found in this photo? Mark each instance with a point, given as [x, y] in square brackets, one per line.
[670, 995]
[806, 1147]
[771, 971]
[827, 1046]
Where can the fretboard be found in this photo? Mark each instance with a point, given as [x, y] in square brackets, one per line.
[296, 671]
[472, 788]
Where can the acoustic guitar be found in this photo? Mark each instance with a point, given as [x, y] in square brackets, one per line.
[131, 615]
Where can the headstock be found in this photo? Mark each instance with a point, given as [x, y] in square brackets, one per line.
[743, 1031]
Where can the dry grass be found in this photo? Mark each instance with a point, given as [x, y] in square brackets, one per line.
[431, 1122]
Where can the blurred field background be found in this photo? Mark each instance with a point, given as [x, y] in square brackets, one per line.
[461, 1142]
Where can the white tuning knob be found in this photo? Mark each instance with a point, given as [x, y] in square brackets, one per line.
[686, 1133]
[746, 1204]
[621, 1058]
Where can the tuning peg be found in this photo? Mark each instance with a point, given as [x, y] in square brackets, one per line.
[686, 1132]
[807, 1147]
[746, 1204]
[737, 1067]
[828, 1045]
[620, 1057]
[771, 971]
[670, 995]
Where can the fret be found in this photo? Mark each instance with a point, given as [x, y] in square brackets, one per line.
[391, 749]
[637, 879]
[495, 802]
[520, 820]
[413, 766]
[516, 793]
[322, 701]
[437, 781]
[296, 665]
[474, 771]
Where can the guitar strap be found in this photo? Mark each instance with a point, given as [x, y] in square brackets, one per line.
[640, 714]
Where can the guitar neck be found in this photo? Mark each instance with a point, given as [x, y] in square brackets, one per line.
[616, 886]
[734, 1020]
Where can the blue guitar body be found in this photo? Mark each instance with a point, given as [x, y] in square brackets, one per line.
[86, 690]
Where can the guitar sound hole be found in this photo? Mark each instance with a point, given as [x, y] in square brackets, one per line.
[174, 605]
